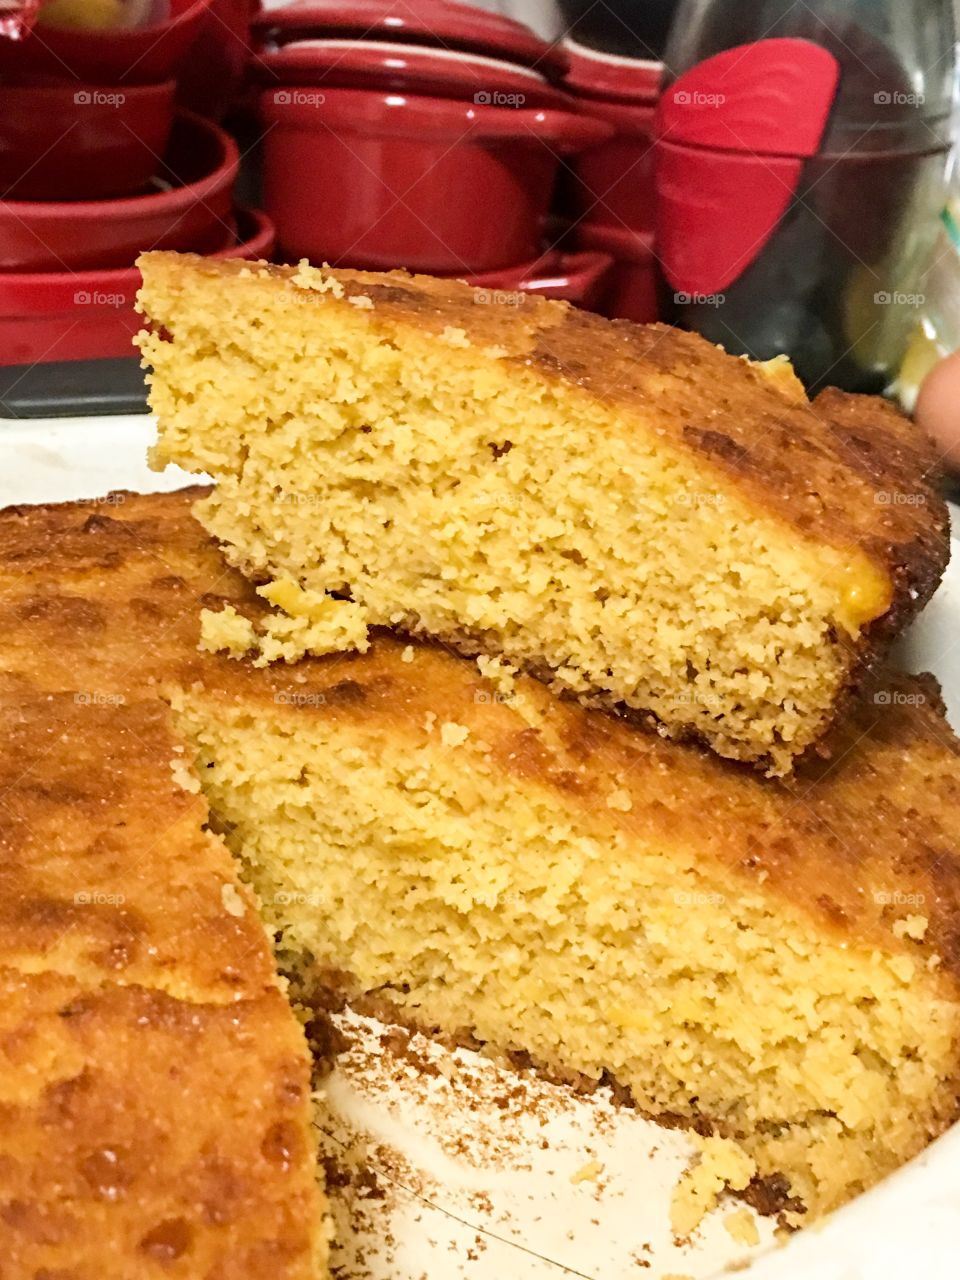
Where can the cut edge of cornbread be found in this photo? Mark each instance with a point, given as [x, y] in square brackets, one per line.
[453, 868]
[619, 510]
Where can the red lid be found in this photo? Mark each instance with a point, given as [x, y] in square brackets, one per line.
[438, 22]
[772, 97]
[609, 75]
[408, 68]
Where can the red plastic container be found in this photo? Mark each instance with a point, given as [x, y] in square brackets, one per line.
[79, 141]
[573, 277]
[136, 55]
[89, 315]
[380, 180]
[188, 209]
[631, 284]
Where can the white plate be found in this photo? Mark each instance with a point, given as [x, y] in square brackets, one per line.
[494, 1190]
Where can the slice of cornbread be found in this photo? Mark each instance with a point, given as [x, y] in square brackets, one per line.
[155, 1088]
[626, 512]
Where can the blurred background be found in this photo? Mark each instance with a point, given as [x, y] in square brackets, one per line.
[779, 176]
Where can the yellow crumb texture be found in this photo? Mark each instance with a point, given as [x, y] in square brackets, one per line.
[589, 1172]
[721, 1163]
[312, 623]
[741, 1226]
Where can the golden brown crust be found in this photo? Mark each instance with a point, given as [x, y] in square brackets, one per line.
[154, 1083]
[860, 837]
[847, 470]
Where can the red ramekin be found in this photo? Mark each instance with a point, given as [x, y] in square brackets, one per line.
[630, 286]
[89, 315]
[187, 210]
[380, 180]
[80, 141]
[135, 55]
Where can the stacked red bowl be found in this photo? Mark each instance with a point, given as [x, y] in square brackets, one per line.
[99, 162]
[611, 198]
[427, 136]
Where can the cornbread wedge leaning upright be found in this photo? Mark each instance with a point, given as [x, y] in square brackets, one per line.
[627, 512]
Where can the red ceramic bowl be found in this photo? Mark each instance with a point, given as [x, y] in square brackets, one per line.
[406, 68]
[630, 287]
[377, 180]
[614, 181]
[210, 74]
[574, 277]
[81, 142]
[187, 208]
[138, 55]
[89, 315]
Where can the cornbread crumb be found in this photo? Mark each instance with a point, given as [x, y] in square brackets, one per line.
[226, 630]
[499, 672]
[311, 622]
[454, 336]
[308, 277]
[620, 800]
[361, 301]
[407, 655]
[453, 735]
[183, 776]
[911, 927]
[722, 1163]
[233, 904]
[742, 1227]
[590, 1172]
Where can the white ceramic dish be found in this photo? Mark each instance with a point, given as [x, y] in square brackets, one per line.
[473, 1191]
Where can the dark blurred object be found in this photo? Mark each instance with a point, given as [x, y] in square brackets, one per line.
[114, 56]
[187, 209]
[630, 28]
[66, 337]
[81, 142]
[800, 177]
[211, 72]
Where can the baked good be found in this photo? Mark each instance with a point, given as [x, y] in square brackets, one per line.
[638, 518]
[155, 1105]
[775, 963]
